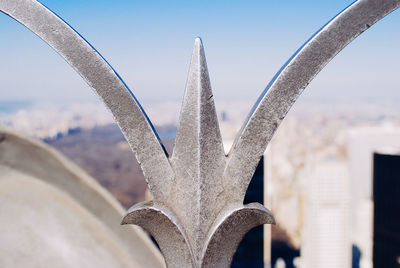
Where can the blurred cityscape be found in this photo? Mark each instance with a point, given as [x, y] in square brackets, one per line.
[319, 175]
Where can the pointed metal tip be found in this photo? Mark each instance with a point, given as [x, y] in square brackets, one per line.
[198, 39]
[198, 55]
[198, 43]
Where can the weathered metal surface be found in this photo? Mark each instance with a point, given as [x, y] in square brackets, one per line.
[203, 223]
[197, 215]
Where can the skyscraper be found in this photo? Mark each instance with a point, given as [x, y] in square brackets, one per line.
[386, 196]
[325, 241]
[250, 252]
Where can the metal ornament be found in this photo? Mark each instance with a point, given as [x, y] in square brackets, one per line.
[197, 214]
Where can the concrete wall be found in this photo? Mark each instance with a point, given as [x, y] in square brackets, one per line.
[52, 214]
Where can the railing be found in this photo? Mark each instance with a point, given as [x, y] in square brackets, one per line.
[197, 215]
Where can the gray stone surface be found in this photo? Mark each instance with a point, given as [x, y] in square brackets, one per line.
[52, 214]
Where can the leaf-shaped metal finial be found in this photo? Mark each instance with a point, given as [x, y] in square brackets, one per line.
[200, 210]
[192, 212]
[198, 158]
[197, 215]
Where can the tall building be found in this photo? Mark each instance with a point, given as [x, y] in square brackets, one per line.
[386, 196]
[325, 241]
[268, 204]
[250, 252]
[362, 143]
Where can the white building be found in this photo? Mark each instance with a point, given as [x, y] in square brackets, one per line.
[326, 241]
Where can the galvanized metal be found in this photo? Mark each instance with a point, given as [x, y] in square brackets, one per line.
[200, 218]
[197, 215]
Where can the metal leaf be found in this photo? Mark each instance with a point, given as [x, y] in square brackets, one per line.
[198, 158]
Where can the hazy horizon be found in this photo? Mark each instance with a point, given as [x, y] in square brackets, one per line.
[149, 44]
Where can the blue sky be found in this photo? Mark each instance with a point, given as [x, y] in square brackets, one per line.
[149, 44]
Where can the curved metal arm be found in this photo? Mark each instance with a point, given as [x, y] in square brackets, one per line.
[95, 70]
[290, 81]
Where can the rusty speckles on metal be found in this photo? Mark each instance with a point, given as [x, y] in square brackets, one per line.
[197, 215]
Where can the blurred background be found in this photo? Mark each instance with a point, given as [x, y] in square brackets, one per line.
[331, 174]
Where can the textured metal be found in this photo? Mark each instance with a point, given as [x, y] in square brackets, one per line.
[197, 215]
[200, 218]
